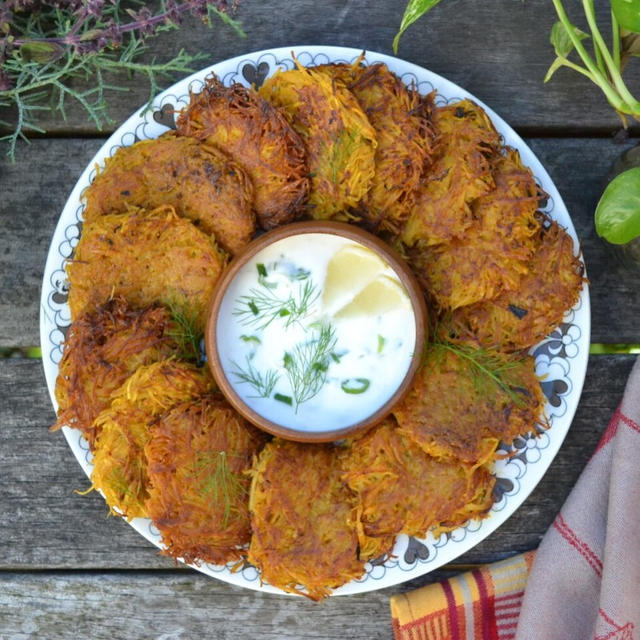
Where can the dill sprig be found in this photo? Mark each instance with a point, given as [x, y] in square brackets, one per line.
[263, 384]
[263, 304]
[56, 51]
[217, 481]
[185, 331]
[307, 365]
[488, 369]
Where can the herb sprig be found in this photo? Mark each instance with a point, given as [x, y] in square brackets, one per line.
[308, 363]
[264, 304]
[487, 368]
[56, 51]
[264, 384]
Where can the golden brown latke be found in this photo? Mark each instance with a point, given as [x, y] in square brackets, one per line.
[338, 137]
[496, 248]
[259, 138]
[521, 317]
[477, 413]
[145, 257]
[300, 515]
[101, 350]
[402, 489]
[459, 173]
[199, 180]
[398, 115]
[199, 492]
[120, 464]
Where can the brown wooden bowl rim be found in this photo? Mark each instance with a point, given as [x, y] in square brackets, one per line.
[397, 263]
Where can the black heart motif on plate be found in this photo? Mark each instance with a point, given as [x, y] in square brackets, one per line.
[166, 116]
[415, 550]
[255, 75]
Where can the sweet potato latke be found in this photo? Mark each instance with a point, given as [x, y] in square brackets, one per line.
[460, 172]
[197, 456]
[340, 141]
[338, 137]
[479, 413]
[259, 138]
[201, 182]
[145, 257]
[300, 516]
[120, 465]
[102, 349]
[398, 116]
[401, 489]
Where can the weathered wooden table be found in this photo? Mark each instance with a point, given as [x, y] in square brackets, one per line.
[69, 571]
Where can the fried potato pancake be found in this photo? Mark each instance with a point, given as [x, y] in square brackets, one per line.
[478, 414]
[201, 182]
[300, 515]
[459, 173]
[101, 350]
[145, 257]
[398, 116]
[199, 492]
[120, 464]
[338, 137]
[522, 316]
[497, 247]
[259, 138]
[402, 489]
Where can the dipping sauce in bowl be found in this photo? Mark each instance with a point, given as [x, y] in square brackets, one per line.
[315, 331]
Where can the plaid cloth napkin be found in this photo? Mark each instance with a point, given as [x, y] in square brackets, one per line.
[585, 581]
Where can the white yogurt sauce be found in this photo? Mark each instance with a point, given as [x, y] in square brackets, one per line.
[293, 363]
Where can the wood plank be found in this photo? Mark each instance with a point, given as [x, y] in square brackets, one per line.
[169, 606]
[49, 527]
[31, 206]
[497, 50]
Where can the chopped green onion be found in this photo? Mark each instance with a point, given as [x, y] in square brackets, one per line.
[355, 385]
[254, 307]
[254, 339]
[381, 342]
[262, 270]
[335, 357]
[282, 398]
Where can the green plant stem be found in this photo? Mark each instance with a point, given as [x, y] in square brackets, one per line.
[614, 71]
[615, 39]
[596, 75]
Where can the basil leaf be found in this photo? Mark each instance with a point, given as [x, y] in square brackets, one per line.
[415, 9]
[618, 212]
[627, 13]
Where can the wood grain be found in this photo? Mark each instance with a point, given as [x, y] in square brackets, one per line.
[498, 50]
[33, 200]
[51, 527]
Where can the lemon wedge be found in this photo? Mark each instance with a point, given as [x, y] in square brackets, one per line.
[349, 271]
[380, 296]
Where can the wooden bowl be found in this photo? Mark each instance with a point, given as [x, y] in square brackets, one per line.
[356, 235]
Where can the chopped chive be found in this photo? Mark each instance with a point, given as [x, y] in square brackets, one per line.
[381, 342]
[335, 357]
[355, 385]
[254, 307]
[284, 312]
[254, 339]
[262, 270]
[282, 398]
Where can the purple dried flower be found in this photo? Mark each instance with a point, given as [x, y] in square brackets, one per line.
[95, 7]
[173, 13]
[5, 81]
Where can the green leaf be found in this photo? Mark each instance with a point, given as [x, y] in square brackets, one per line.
[41, 52]
[414, 10]
[557, 63]
[561, 41]
[627, 13]
[618, 212]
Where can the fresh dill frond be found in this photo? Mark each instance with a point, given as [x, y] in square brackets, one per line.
[307, 365]
[184, 331]
[263, 305]
[487, 368]
[264, 384]
[217, 481]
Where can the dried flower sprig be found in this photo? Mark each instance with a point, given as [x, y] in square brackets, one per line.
[47, 46]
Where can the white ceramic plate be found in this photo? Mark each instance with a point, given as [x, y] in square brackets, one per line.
[561, 357]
